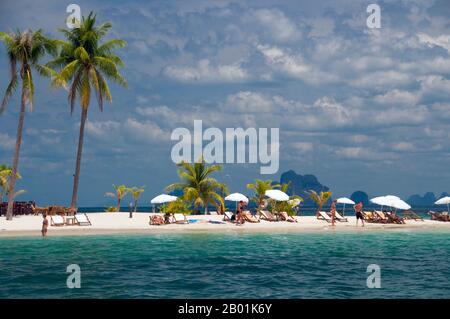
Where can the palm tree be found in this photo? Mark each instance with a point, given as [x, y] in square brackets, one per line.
[119, 193]
[320, 199]
[26, 48]
[136, 193]
[5, 176]
[85, 64]
[260, 187]
[197, 185]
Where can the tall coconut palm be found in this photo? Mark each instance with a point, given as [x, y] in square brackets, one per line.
[260, 187]
[85, 65]
[136, 193]
[25, 50]
[197, 185]
[320, 199]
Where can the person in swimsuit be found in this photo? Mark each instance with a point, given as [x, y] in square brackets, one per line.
[44, 225]
[239, 214]
[358, 212]
[333, 212]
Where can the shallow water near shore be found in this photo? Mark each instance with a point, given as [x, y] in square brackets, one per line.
[229, 265]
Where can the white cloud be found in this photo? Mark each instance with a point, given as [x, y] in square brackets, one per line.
[6, 142]
[293, 65]
[398, 97]
[248, 102]
[101, 129]
[278, 25]
[442, 41]
[204, 72]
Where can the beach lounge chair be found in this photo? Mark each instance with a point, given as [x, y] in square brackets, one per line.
[228, 216]
[324, 216]
[442, 217]
[382, 217]
[266, 215]
[249, 217]
[394, 219]
[339, 217]
[410, 215]
[285, 217]
[179, 218]
[57, 220]
[370, 217]
[82, 220]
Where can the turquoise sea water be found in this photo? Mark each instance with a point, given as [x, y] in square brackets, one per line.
[229, 265]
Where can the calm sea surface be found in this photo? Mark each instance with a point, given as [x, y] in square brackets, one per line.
[229, 265]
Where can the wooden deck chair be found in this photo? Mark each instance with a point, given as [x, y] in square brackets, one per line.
[411, 215]
[82, 220]
[266, 215]
[57, 220]
[228, 216]
[340, 218]
[249, 217]
[324, 216]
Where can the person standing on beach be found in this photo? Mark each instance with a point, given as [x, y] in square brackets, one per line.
[44, 225]
[333, 212]
[358, 212]
[239, 215]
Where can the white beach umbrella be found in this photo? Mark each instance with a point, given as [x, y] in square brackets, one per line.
[237, 197]
[380, 200]
[391, 201]
[163, 198]
[444, 201]
[400, 204]
[344, 201]
[277, 195]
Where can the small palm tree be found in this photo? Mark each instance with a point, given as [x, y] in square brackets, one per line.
[260, 187]
[25, 48]
[136, 193]
[320, 199]
[119, 193]
[197, 185]
[5, 176]
[84, 65]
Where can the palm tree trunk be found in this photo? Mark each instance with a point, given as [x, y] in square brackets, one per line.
[118, 204]
[12, 182]
[76, 176]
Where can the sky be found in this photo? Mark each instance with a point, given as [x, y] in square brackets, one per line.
[360, 108]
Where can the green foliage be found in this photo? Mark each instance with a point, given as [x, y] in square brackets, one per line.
[111, 209]
[178, 206]
[197, 185]
[320, 198]
[136, 192]
[26, 48]
[85, 64]
[5, 176]
[260, 187]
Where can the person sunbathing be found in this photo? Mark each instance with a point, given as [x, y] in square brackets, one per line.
[284, 216]
[249, 217]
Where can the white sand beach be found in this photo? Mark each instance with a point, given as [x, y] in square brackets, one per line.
[120, 223]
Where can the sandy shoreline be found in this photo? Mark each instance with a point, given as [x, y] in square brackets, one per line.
[120, 223]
